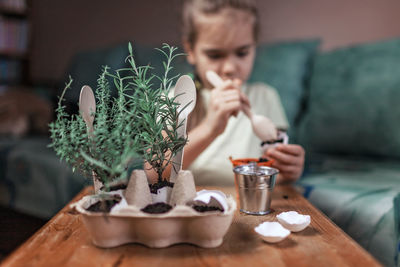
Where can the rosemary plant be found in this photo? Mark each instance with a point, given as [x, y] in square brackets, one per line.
[141, 122]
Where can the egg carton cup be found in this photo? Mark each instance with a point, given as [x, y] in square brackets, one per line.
[282, 138]
[126, 223]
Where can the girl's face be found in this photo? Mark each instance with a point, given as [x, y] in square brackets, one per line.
[225, 44]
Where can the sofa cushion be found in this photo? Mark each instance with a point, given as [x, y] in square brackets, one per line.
[33, 180]
[352, 101]
[347, 190]
[286, 66]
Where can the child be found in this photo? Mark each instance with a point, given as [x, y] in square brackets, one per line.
[220, 35]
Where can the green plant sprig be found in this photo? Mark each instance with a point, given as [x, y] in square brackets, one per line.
[139, 124]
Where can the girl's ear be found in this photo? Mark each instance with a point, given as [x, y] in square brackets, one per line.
[189, 51]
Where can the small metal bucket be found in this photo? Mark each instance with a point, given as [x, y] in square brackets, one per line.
[254, 185]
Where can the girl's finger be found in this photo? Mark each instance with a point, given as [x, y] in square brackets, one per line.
[291, 149]
[221, 92]
[223, 96]
[220, 102]
[244, 99]
[237, 82]
[228, 85]
[231, 107]
[231, 94]
[231, 98]
[280, 156]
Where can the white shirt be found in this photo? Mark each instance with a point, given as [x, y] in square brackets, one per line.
[212, 166]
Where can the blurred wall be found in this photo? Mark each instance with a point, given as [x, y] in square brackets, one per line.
[62, 28]
[337, 22]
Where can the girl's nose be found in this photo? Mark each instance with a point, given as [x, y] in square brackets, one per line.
[228, 68]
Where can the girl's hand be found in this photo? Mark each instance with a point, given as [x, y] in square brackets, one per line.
[289, 160]
[226, 100]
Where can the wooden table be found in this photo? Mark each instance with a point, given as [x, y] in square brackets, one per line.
[64, 241]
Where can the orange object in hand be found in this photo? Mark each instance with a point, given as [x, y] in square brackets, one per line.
[244, 161]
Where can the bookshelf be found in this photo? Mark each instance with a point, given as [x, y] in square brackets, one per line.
[14, 41]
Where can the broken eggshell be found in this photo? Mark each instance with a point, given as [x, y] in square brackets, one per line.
[211, 198]
[272, 232]
[293, 220]
[121, 205]
[163, 195]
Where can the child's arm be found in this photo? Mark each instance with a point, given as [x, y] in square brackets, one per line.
[289, 160]
[225, 101]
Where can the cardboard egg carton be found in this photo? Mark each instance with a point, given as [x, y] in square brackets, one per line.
[126, 223]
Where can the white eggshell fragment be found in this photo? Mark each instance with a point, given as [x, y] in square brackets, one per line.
[272, 232]
[121, 205]
[213, 198]
[162, 195]
[294, 221]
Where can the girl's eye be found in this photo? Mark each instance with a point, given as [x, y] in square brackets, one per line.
[242, 53]
[215, 56]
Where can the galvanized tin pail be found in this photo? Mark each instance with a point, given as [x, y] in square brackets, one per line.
[254, 185]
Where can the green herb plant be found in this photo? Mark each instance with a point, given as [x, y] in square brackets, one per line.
[139, 124]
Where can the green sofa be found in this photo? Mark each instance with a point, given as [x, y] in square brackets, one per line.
[351, 132]
[348, 123]
[341, 106]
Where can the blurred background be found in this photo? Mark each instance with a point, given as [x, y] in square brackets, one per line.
[50, 32]
[39, 40]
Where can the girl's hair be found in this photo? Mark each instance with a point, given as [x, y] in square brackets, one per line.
[192, 8]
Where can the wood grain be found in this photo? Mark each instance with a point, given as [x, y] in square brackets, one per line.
[64, 241]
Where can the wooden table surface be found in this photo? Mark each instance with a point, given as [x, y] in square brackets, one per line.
[64, 241]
